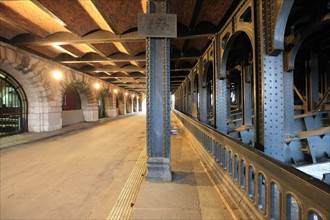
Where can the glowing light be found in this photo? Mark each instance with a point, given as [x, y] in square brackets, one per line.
[115, 90]
[126, 93]
[97, 85]
[133, 95]
[57, 75]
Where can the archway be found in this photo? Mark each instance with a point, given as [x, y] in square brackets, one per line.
[207, 107]
[135, 104]
[120, 103]
[308, 103]
[71, 106]
[129, 106]
[101, 106]
[239, 69]
[13, 106]
[109, 104]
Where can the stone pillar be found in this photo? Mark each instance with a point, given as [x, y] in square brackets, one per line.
[158, 101]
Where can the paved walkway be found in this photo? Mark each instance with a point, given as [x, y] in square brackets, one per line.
[82, 171]
[191, 194]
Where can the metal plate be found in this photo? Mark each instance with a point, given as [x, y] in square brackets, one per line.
[157, 25]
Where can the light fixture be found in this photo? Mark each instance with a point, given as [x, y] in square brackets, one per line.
[97, 85]
[133, 95]
[57, 75]
[126, 93]
[115, 90]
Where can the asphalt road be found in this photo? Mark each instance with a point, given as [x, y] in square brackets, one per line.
[78, 175]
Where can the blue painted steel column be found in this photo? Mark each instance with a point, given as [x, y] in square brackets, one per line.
[222, 104]
[202, 94]
[274, 108]
[158, 102]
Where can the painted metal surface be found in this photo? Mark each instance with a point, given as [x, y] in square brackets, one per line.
[158, 103]
[242, 169]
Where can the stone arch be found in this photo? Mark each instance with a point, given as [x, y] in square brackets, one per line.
[140, 100]
[121, 104]
[135, 104]
[109, 104]
[89, 104]
[44, 112]
[101, 105]
[13, 106]
[129, 104]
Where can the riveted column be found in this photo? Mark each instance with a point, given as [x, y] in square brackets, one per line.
[222, 101]
[158, 101]
[203, 93]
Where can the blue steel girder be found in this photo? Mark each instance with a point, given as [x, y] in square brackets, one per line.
[158, 102]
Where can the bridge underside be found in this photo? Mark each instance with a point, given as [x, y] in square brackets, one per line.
[248, 82]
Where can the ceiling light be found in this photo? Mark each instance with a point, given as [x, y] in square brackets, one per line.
[57, 75]
[97, 85]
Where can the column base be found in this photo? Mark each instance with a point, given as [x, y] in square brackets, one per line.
[159, 169]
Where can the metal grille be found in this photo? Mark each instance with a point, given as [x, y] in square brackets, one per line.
[13, 106]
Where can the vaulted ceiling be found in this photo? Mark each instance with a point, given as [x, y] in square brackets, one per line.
[99, 37]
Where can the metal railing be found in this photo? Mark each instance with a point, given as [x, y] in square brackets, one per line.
[260, 184]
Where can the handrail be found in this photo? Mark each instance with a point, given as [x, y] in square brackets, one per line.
[273, 189]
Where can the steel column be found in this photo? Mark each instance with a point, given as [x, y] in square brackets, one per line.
[203, 94]
[158, 102]
[221, 99]
[246, 79]
[274, 108]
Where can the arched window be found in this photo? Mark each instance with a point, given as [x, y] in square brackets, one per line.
[13, 106]
[71, 99]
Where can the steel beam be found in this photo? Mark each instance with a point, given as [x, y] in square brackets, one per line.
[158, 102]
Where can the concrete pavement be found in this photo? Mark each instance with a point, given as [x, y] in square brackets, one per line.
[77, 175]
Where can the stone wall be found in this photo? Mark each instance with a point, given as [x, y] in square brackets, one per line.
[44, 93]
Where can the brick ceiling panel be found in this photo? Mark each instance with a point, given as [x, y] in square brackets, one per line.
[136, 47]
[106, 49]
[43, 18]
[142, 63]
[33, 19]
[121, 64]
[183, 9]
[8, 31]
[73, 50]
[200, 43]
[123, 14]
[70, 12]
[177, 44]
[77, 65]
[213, 11]
[49, 51]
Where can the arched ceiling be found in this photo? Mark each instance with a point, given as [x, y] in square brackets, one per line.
[99, 37]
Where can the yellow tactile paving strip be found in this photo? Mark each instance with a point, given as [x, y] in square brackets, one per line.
[125, 202]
